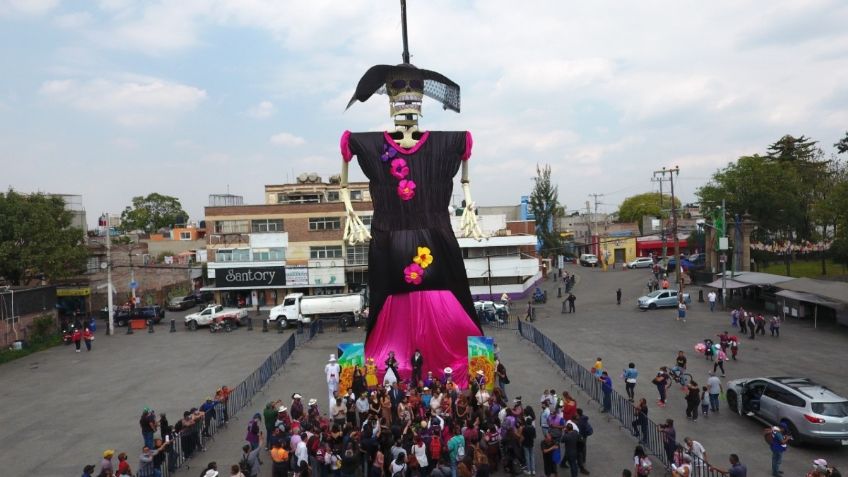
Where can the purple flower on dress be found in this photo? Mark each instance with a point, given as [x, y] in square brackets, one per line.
[388, 153]
[406, 189]
[399, 168]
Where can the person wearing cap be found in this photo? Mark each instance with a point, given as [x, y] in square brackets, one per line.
[333, 371]
[447, 375]
[296, 407]
[147, 422]
[88, 471]
[778, 443]
[254, 432]
[822, 469]
[123, 465]
[106, 463]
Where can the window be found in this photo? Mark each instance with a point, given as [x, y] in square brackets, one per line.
[185, 235]
[366, 219]
[269, 254]
[232, 227]
[834, 409]
[325, 223]
[356, 195]
[333, 196]
[357, 255]
[784, 396]
[267, 225]
[326, 251]
[233, 255]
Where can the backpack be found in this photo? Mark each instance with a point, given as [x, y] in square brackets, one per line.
[645, 467]
[586, 428]
[460, 453]
[244, 465]
[435, 448]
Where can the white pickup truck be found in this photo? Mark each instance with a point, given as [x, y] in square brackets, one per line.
[300, 308]
[215, 314]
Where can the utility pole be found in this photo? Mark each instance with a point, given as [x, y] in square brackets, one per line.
[589, 225]
[109, 302]
[595, 224]
[677, 269]
[723, 255]
[489, 273]
[662, 259]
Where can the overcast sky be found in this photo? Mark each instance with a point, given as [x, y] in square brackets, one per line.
[116, 98]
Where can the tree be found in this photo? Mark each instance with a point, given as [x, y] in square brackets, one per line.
[151, 213]
[37, 239]
[634, 208]
[842, 145]
[544, 203]
[792, 149]
[759, 186]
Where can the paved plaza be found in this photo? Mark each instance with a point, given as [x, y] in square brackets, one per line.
[650, 339]
[62, 409]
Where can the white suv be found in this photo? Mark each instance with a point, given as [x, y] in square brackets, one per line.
[641, 262]
[588, 260]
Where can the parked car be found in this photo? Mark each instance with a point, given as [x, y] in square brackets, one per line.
[641, 262]
[122, 314]
[491, 311]
[182, 302]
[661, 299]
[203, 296]
[216, 314]
[588, 260]
[808, 411]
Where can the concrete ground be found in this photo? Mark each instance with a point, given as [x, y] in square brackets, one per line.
[61, 409]
[621, 334]
[68, 407]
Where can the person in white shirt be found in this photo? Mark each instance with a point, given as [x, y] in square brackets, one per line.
[362, 407]
[695, 449]
[301, 453]
[711, 297]
[333, 371]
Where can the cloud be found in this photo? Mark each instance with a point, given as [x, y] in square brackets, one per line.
[286, 139]
[130, 101]
[28, 7]
[263, 110]
[73, 21]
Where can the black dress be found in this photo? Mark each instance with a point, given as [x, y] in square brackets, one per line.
[419, 293]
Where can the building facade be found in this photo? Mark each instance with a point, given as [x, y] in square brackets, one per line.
[293, 243]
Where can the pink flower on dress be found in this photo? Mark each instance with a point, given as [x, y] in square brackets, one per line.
[406, 189]
[399, 168]
[413, 274]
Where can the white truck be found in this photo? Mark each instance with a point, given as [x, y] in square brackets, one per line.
[217, 314]
[300, 308]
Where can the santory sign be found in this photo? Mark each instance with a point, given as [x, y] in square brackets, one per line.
[250, 277]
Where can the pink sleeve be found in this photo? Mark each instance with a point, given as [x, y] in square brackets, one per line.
[469, 141]
[344, 144]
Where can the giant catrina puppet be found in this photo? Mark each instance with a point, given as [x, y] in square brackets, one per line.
[419, 293]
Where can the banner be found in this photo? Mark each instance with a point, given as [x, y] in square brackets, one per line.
[297, 276]
[350, 355]
[250, 277]
[481, 356]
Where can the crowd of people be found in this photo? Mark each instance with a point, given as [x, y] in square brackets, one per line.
[159, 436]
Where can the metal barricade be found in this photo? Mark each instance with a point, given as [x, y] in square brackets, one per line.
[193, 439]
[622, 410]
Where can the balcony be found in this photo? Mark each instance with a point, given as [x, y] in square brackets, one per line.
[229, 239]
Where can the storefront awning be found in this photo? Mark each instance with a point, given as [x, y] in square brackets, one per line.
[728, 284]
[810, 298]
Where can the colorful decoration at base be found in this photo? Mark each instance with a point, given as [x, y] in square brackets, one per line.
[481, 356]
[350, 356]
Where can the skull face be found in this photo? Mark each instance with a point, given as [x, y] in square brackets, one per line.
[405, 90]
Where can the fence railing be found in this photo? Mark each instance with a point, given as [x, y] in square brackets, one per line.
[193, 438]
[651, 436]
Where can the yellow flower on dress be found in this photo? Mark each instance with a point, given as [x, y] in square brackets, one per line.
[424, 258]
